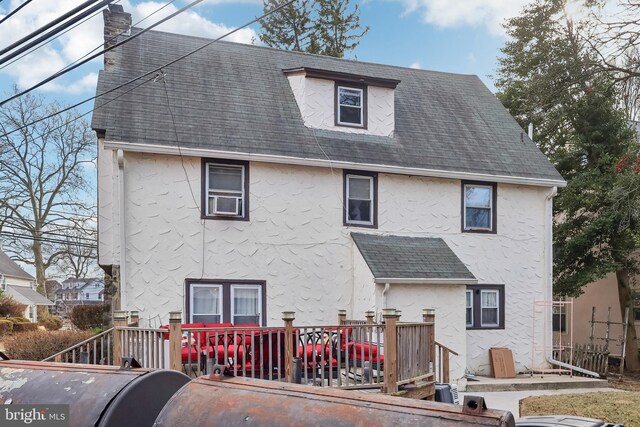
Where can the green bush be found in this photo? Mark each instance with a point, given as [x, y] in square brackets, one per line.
[24, 327]
[88, 316]
[10, 307]
[38, 345]
[6, 326]
[51, 323]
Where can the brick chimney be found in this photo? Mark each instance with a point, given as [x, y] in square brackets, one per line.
[116, 21]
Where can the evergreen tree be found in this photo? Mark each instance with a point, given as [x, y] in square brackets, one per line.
[327, 27]
[549, 76]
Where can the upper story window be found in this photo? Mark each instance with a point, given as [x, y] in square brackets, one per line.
[479, 207]
[225, 189]
[350, 106]
[360, 199]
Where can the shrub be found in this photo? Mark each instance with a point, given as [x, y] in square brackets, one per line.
[38, 345]
[10, 307]
[87, 316]
[24, 327]
[51, 323]
[19, 320]
[6, 326]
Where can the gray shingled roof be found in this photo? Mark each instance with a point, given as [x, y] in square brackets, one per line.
[8, 267]
[401, 257]
[235, 97]
[26, 295]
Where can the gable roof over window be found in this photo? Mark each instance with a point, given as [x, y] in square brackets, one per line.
[402, 259]
[235, 98]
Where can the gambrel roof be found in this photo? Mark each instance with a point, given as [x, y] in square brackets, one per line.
[235, 99]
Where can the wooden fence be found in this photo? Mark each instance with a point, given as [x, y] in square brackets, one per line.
[586, 356]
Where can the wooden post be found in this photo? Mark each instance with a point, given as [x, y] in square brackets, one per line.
[390, 350]
[593, 323]
[370, 315]
[175, 340]
[288, 317]
[429, 316]
[135, 318]
[119, 320]
[342, 316]
[624, 340]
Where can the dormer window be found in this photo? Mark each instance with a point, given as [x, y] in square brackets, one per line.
[350, 106]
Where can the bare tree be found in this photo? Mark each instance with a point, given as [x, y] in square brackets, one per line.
[78, 258]
[44, 185]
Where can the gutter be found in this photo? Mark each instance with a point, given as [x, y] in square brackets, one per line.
[289, 160]
[549, 281]
[390, 280]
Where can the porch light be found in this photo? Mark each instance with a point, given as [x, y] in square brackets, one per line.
[386, 312]
[119, 315]
[288, 315]
[175, 316]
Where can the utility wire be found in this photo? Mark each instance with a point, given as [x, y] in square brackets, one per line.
[47, 26]
[14, 11]
[46, 239]
[155, 70]
[95, 55]
[55, 31]
[55, 235]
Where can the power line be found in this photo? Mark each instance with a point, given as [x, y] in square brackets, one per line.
[50, 233]
[47, 26]
[95, 55]
[155, 70]
[46, 240]
[14, 11]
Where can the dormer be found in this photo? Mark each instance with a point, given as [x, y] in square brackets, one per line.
[344, 102]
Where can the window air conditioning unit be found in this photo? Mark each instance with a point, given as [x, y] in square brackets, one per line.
[224, 205]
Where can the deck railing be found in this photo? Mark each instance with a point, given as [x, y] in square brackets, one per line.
[97, 350]
[351, 354]
[443, 355]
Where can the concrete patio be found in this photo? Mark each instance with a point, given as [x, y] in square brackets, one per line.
[533, 382]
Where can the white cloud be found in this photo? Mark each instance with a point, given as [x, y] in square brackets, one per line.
[415, 65]
[88, 36]
[488, 13]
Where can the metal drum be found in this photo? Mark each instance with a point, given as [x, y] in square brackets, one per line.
[97, 395]
[228, 401]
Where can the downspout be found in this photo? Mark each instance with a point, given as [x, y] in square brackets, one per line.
[549, 276]
[121, 229]
[384, 295]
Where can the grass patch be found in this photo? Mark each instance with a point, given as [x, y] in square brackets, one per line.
[613, 407]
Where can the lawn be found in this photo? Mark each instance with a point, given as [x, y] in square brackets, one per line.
[613, 407]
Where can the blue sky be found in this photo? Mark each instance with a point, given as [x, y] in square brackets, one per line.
[461, 37]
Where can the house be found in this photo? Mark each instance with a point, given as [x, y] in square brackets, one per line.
[21, 286]
[74, 292]
[243, 181]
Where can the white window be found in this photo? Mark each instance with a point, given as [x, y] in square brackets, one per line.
[469, 295]
[350, 108]
[489, 306]
[206, 303]
[225, 190]
[360, 199]
[246, 304]
[478, 210]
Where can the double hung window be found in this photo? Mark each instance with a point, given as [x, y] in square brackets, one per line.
[225, 190]
[214, 301]
[479, 207]
[350, 106]
[485, 307]
[360, 197]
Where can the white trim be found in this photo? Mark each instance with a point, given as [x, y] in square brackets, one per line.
[469, 292]
[371, 199]
[427, 280]
[464, 208]
[272, 158]
[362, 106]
[247, 286]
[497, 308]
[193, 286]
[210, 190]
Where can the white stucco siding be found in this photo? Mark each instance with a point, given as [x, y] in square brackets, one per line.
[316, 100]
[294, 240]
[513, 257]
[364, 295]
[450, 315]
[107, 205]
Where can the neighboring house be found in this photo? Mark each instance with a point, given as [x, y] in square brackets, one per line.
[244, 181]
[21, 286]
[74, 292]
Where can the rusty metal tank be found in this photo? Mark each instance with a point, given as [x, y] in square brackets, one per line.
[97, 395]
[226, 401]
